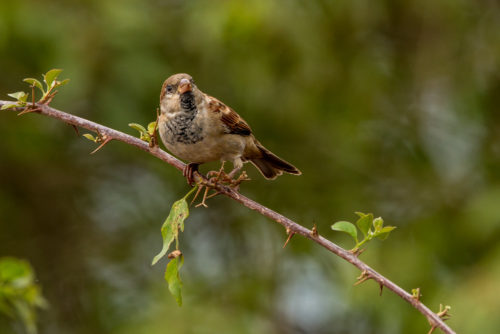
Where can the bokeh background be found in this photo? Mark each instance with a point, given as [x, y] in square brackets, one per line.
[388, 107]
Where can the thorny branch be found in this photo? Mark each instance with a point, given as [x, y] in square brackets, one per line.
[291, 227]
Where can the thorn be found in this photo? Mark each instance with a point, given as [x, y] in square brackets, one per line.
[214, 194]
[357, 252]
[381, 288]
[174, 254]
[415, 294]
[290, 235]
[76, 130]
[28, 109]
[443, 312]
[105, 141]
[196, 195]
[314, 231]
[202, 203]
[363, 277]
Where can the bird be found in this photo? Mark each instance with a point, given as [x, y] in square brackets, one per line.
[199, 128]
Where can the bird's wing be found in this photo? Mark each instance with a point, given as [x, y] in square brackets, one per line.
[232, 121]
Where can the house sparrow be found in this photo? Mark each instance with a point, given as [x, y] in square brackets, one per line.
[199, 128]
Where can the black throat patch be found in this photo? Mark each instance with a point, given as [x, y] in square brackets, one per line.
[183, 128]
[188, 103]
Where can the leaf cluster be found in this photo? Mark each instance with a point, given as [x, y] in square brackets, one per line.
[48, 92]
[170, 232]
[145, 134]
[369, 227]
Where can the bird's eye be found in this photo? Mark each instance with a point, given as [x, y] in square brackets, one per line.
[170, 89]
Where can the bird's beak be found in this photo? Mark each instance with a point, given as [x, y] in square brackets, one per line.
[185, 86]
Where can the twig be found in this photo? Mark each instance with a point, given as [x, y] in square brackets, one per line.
[433, 318]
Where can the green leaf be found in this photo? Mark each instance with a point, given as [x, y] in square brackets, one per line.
[61, 83]
[170, 229]
[173, 278]
[9, 106]
[138, 127]
[12, 269]
[378, 223]
[34, 82]
[151, 128]
[384, 233]
[167, 234]
[19, 295]
[50, 76]
[346, 227]
[89, 137]
[364, 222]
[145, 137]
[20, 96]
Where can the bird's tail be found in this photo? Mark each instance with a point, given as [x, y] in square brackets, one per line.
[271, 165]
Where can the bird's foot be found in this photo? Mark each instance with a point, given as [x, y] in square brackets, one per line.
[220, 177]
[215, 176]
[235, 183]
[188, 172]
[233, 173]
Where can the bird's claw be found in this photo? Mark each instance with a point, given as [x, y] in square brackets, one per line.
[227, 179]
[243, 177]
[214, 179]
[233, 173]
[188, 172]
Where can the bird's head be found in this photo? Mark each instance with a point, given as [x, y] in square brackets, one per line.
[176, 88]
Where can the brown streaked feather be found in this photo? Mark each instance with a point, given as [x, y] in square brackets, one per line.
[233, 122]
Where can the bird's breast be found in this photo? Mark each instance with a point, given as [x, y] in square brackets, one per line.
[196, 139]
[181, 128]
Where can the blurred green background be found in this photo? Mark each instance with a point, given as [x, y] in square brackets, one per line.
[388, 107]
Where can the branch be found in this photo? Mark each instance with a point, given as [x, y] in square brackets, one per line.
[291, 226]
